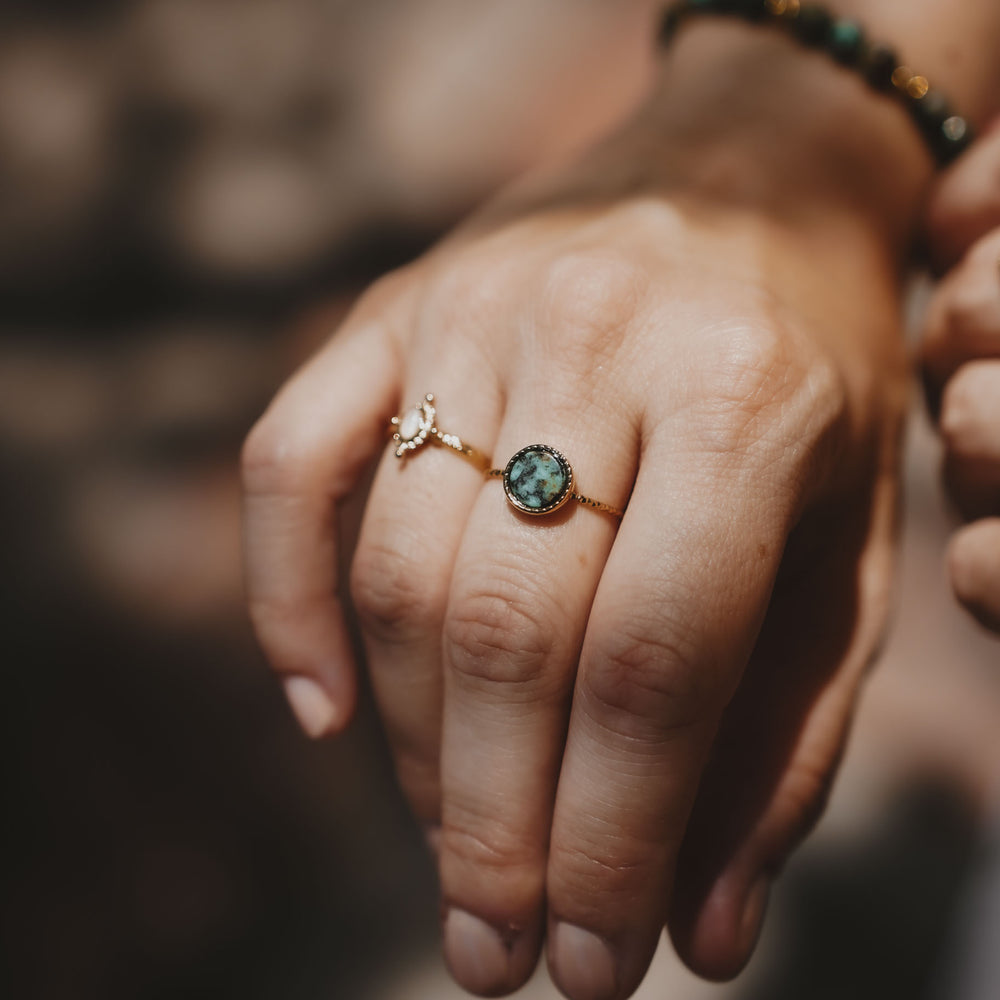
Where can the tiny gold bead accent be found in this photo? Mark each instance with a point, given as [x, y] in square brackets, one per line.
[918, 86]
[783, 8]
[901, 76]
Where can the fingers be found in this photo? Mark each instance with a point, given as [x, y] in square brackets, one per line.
[519, 600]
[970, 427]
[963, 318]
[966, 204]
[673, 623]
[961, 354]
[666, 641]
[974, 567]
[414, 521]
[783, 733]
[303, 457]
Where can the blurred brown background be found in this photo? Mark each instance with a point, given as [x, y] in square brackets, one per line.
[191, 193]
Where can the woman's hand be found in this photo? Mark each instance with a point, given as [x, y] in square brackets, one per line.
[608, 726]
[961, 356]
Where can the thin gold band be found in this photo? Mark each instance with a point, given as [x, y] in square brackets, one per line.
[604, 508]
[457, 445]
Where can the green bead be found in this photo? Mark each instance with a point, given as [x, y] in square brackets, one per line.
[846, 42]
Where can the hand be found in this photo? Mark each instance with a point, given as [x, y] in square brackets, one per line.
[961, 357]
[609, 727]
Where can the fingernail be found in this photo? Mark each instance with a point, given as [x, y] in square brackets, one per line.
[475, 953]
[582, 964]
[311, 704]
[753, 913]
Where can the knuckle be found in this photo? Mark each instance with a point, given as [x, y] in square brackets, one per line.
[506, 863]
[499, 634]
[585, 876]
[487, 844]
[284, 627]
[766, 389]
[751, 370]
[386, 289]
[590, 297]
[469, 290]
[393, 594]
[639, 677]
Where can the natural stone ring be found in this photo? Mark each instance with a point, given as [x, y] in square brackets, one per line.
[539, 480]
[418, 427]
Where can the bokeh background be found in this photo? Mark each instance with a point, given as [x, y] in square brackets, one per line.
[191, 193]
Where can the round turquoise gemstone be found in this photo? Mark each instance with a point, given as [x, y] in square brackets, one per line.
[538, 479]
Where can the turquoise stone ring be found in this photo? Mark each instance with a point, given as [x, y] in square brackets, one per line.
[538, 480]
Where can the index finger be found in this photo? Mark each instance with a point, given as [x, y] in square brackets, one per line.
[303, 457]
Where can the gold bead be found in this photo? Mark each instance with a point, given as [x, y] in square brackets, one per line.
[901, 76]
[918, 86]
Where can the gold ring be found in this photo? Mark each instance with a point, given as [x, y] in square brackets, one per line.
[539, 480]
[418, 427]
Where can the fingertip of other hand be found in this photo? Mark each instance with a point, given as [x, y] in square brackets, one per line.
[973, 562]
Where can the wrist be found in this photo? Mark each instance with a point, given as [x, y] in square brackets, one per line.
[744, 116]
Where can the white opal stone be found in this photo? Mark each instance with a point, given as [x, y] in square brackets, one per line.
[409, 426]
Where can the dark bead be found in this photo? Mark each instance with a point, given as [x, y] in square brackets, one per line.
[931, 111]
[880, 63]
[846, 42]
[752, 10]
[812, 26]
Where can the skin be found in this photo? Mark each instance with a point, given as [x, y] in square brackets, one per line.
[961, 359]
[612, 728]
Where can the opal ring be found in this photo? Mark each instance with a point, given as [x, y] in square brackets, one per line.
[418, 426]
[539, 480]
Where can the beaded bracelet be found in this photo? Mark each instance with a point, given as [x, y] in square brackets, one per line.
[947, 134]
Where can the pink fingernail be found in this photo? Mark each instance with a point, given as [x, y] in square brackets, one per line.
[476, 954]
[582, 964]
[311, 704]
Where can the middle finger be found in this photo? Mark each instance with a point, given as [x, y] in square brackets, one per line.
[520, 596]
